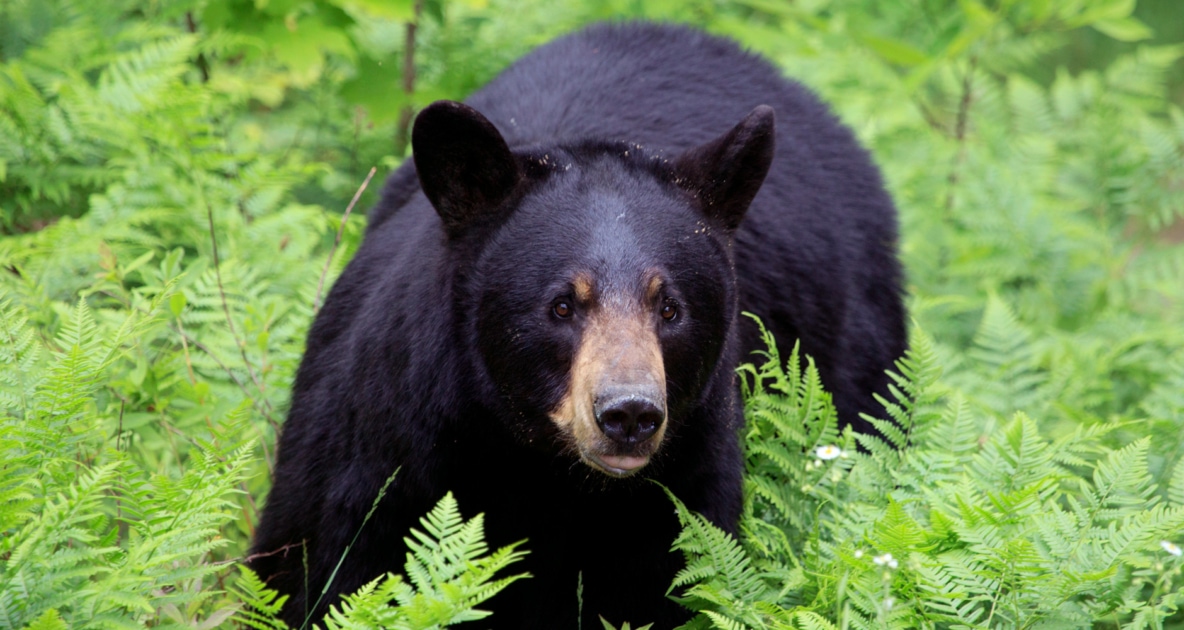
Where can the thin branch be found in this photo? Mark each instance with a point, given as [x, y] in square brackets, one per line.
[121, 527]
[242, 344]
[241, 385]
[265, 554]
[929, 117]
[960, 132]
[185, 348]
[316, 305]
[202, 63]
[402, 131]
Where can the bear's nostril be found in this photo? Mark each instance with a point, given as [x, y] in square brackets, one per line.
[630, 421]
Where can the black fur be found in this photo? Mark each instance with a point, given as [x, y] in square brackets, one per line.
[614, 151]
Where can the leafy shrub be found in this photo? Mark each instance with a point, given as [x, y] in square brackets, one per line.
[90, 541]
[172, 181]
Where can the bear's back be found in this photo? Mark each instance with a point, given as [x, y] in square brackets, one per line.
[662, 86]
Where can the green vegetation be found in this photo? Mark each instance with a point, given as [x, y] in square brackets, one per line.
[173, 180]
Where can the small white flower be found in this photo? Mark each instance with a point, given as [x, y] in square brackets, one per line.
[1171, 548]
[844, 454]
[830, 451]
[818, 463]
[886, 560]
[888, 602]
[858, 553]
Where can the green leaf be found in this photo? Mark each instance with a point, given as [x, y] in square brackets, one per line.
[302, 44]
[1125, 29]
[894, 50]
[177, 303]
[403, 10]
[377, 86]
[49, 620]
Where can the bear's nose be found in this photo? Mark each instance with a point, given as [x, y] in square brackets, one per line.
[630, 420]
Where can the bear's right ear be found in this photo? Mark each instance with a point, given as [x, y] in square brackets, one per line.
[726, 173]
[465, 167]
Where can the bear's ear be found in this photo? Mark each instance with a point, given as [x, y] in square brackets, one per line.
[727, 172]
[464, 166]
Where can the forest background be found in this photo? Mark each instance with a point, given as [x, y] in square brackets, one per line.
[175, 185]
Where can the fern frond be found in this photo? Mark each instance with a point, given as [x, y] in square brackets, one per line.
[1011, 378]
[449, 575]
[261, 605]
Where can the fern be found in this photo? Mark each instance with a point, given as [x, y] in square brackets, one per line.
[784, 432]
[626, 626]
[1012, 379]
[261, 605]
[72, 552]
[914, 393]
[940, 529]
[449, 573]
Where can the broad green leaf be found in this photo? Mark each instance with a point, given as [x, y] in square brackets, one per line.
[894, 50]
[1126, 29]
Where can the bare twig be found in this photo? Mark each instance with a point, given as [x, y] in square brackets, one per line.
[119, 435]
[185, 348]
[121, 527]
[265, 554]
[403, 130]
[202, 63]
[928, 115]
[316, 305]
[241, 343]
[960, 132]
[241, 385]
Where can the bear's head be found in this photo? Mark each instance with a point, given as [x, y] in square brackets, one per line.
[595, 280]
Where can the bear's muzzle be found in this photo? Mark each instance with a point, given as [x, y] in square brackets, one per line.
[615, 408]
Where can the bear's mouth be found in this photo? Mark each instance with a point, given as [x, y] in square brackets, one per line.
[615, 465]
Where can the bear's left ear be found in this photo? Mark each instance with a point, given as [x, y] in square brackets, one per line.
[727, 172]
[464, 165]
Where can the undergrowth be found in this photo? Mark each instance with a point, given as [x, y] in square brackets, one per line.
[935, 525]
[174, 185]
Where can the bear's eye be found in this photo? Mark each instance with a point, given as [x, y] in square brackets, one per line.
[562, 309]
[669, 311]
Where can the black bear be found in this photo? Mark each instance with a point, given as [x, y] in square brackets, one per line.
[544, 316]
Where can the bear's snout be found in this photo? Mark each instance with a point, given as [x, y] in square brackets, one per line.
[614, 412]
[629, 419]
